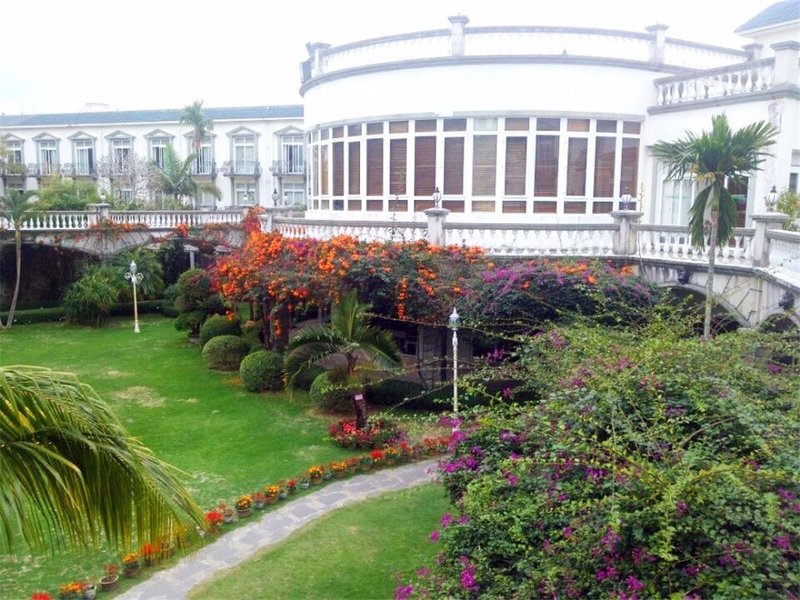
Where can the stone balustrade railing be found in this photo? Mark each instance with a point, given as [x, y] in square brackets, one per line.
[75, 220]
[321, 229]
[674, 243]
[58, 220]
[746, 78]
[784, 252]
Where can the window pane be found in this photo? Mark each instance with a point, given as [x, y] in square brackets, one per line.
[398, 127]
[338, 132]
[424, 165]
[604, 167]
[397, 167]
[606, 126]
[455, 124]
[546, 177]
[548, 124]
[631, 127]
[338, 169]
[354, 130]
[374, 128]
[375, 167]
[484, 165]
[577, 124]
[453, 166]
[354, 168]
[425, 125]
[516, 157]
[630, 166]
[576, 166]
[517, 124]
[324, 160]
[488, 124]
[315, 177]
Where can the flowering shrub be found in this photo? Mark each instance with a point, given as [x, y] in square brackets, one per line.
[377, 433]
[214, 518]
[131, 559]
[41, 596]
[315, 472]
[338, 466]
[655, 466]
[244, 501]
[272, 491]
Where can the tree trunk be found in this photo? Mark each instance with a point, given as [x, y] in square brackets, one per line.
[13, 307]
[712, 259]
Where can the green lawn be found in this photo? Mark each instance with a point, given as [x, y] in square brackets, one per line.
[354, 552]
[227, 440]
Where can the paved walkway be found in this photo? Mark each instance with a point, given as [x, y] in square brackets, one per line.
[240, 544]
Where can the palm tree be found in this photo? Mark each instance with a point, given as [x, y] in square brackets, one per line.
[16, 210]
[349, 336]
[174, 177]
[69, 470]
[148, 265]
[712, 159]
[193, 116]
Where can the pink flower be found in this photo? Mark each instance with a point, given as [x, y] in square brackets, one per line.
[435, 536]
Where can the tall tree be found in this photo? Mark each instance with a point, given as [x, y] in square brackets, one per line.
[200, 124]
[712, 159]
[69, 470]
[350, 337]
[16, 209]
[174, 178]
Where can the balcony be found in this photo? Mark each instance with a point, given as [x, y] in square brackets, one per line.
[280, 168]
[238, 168]
[206, 168]
[13, 169]
[79, 170]
[43, 169]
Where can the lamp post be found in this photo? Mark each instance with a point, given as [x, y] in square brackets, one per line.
[771, 199]
[454, 321]
[275, 197]
[437, 200]
[135, 279]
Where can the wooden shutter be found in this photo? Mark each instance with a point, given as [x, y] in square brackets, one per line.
[629, 173]
[484, 165]
[338, 168]
[577, 153]
[354, 168]
[546, 168]
[516, 165]
[424, 165]
[604, 167]
[453, 166]
[397, 167]
[375, 167]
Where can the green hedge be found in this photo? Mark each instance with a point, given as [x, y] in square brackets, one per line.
[262, 370]
[36, 315]
[217, 325]
[225, 352]
[330, 396]
[56, 313]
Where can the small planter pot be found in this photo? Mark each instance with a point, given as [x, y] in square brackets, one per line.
[89, 592]
[283, 495]
[304, 485]
[365, 467]
[327, 476]
[258, 505]
[339, 474]
[316, 481]
[271, 499]
[132, 571]
[109, 583]
[243, 512]
[228, 518]
[292, 491]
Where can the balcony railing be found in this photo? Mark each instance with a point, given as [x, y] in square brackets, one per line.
[13, 169]
[43, 169]
[736, 80]
[233, 168]
[280, 167]
[207, 168]
[79, 170]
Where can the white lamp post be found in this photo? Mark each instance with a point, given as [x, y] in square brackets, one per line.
[275, 197]
[454, 321]
[135, 279]
[771, 199]
[437, 199]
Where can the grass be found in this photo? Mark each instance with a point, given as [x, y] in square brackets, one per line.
[354, 552]
[228, 441]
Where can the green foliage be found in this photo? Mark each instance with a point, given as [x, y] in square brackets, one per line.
[656, 465]
[90, 299]
[400, 392]
[329, 395]
[219, 325]
[66, 194]
[195, 299]
[36, 315]
[789, 204]
[148, 264]
[225, 352]
[306, 378]
[174, 260]
[189, 321]
[261, 371]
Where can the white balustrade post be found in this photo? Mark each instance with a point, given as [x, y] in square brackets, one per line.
[436, 220]
[786, 67]
[103, 211]
[763, 222]
[267, 219]
[457, 34]
[624, 238]
[658, 43]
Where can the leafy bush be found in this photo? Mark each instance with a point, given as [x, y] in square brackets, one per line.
[219, 325]
[262, 370]
[191, 321]
[35, 315]
[665, 468]
[225, 352]
[305, 379]
[195, 296]
[377, 434]
[90, 299]
[329, 395]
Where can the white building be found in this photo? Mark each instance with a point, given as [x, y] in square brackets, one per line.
[251, 154]
[541, 124]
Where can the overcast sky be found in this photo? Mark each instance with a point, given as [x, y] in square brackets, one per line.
[58, 56]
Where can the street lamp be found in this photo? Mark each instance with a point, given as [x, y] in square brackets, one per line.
[135, 279]
[274, 197]
[437, 199]
[454, 321]
[771, 199]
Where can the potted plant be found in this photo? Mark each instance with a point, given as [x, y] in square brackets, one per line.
[377, 457]
[304, 482]
[271, 492]
[338, 468]
[365, 462]
[291, 486]
[228, 512]
[214, 519]
[259, 500]
[131, 565]
[352, 464]
[243, 505]
[149, 553]
[315, 474]
[390, 455]
[41, 596]
[89, 590]
[70, 591]
[109, 581]
[284, 491]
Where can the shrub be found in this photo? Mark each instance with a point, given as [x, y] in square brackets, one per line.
[409, 394]
[305, 379]
[262, 370]
[377, 434]
[330, 396]
[35, 315]
[252, 332]
[225, 352]
[190, 321]
[219, 325]
[90, 299]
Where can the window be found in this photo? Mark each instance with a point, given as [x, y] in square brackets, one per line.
[577, 154]
[315, 174]
[375, 167]
[158, 146]
[48, 157]
[292, 155]
[121, 153]
[244, 155]
[293, 194]
[324, 168]
[204, 160]
[13, 152]
[604, 160]
[545, 181]
[354, 168]
[484, 165]
[453, 166]
[84, 157]
[338, 168]
[245, 194]
[516, 165]
[517, 124]
[424, 165]
[630, 166]
[397, 167]
[676, 198]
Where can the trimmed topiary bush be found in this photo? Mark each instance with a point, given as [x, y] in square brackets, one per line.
[329, 395]
[262, 370]
[225, 352]
[217, 325]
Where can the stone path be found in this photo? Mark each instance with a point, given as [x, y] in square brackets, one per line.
[240, 544]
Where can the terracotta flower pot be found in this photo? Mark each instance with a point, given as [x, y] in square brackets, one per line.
[109, 583]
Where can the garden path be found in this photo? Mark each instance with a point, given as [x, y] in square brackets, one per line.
[240, 544]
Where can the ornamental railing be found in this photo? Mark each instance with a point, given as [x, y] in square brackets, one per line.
[737, 80]
[75, 220]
